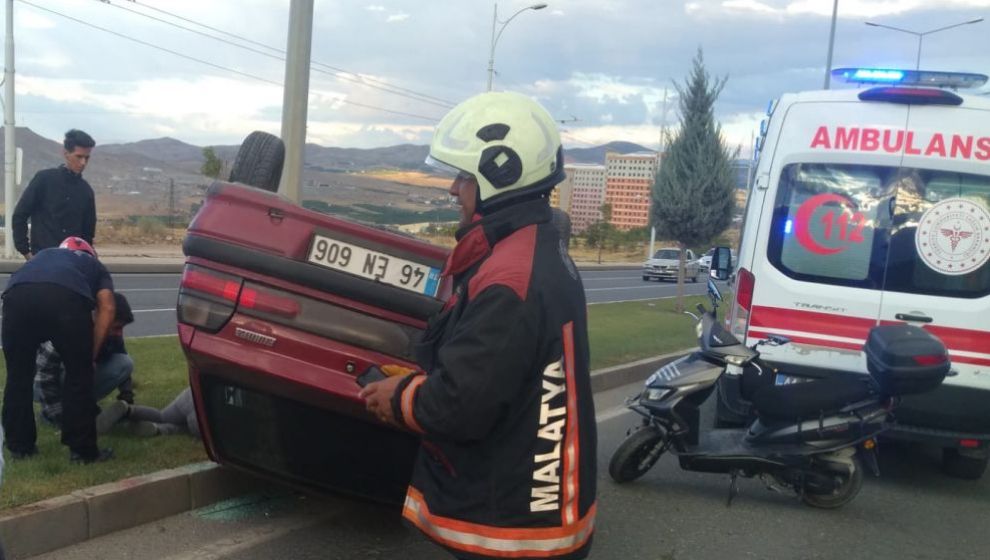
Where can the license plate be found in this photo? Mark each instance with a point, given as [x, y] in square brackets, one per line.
[372, 265]
[782, 379]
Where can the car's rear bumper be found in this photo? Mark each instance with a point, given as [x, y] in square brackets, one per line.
[294, 422]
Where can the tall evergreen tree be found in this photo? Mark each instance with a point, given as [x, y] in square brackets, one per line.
[693, 195]
[212, 165]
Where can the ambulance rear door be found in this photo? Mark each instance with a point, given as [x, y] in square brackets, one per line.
[938, 270]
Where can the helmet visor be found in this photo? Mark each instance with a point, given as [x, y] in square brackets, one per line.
[446, 170]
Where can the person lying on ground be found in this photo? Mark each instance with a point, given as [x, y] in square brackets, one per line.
[176, 418]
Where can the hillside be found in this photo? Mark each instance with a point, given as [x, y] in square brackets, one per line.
[150, 176]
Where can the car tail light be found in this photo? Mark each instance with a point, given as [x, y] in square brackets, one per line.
[207, 297]
[267, 302]
[969, 443]
[739, 319]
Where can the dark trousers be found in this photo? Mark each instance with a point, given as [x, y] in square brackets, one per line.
[32, 314]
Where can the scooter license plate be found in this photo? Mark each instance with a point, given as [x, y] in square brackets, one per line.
[782, 379]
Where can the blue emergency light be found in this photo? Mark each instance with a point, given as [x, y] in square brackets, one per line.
[892, 76]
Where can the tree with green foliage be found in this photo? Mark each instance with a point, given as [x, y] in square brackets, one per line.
[693, 192]
[213, 166]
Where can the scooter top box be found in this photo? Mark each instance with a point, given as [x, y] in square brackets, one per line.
[904, 359]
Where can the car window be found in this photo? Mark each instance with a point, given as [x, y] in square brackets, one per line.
[838, 224]
[666, 254]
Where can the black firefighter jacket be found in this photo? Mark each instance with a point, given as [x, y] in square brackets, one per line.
[505, 411]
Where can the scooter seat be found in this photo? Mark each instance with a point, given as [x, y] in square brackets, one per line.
[810, 398]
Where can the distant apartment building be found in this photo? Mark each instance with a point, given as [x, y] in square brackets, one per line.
[581, 194]
[628, 182]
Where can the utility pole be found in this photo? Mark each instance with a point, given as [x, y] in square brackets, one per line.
[171, 202]
[296, 96]
[831, 44]
[9, 147]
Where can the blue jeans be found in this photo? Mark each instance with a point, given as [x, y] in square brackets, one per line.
[109, 375]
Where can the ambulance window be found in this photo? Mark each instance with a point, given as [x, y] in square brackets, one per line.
[956, 245]
[828, 224]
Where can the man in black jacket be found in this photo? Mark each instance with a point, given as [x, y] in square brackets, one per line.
[57, 202]
[503, 403]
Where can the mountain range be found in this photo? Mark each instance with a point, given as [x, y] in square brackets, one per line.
[152, 165]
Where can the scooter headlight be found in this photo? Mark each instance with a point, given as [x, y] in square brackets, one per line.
[656, 394]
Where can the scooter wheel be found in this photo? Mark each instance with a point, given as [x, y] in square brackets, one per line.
[848, 485]
[637, 454]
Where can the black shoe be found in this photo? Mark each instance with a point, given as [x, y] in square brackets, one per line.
[101, 456]
[18, 455]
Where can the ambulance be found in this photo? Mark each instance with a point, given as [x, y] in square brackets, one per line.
[871, 205]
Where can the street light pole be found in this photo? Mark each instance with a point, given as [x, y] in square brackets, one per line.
[921, 34]
[831, 44]
[495, 36]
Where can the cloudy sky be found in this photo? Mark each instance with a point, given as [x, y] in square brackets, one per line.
[209, 72]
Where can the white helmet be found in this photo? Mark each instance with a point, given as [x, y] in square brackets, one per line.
[507, 141]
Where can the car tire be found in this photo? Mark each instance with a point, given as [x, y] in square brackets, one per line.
[259, 161]
[646, 279]
[968, 467]
[696, 275]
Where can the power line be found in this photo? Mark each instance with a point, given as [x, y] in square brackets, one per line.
[336, 72]
[218, 66]
[147, 44]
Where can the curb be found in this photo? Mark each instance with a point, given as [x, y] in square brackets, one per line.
[85, 514]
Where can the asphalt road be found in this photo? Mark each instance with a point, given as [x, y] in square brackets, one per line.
[152, 296]
[911, 512]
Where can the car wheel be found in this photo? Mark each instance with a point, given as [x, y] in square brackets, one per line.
[969, 467]
[646, 279]
[259, 161]
[697, 273]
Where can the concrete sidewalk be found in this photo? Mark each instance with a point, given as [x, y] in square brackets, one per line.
[59, 522]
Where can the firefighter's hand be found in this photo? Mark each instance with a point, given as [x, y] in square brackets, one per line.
[395, 370]
[378, 397]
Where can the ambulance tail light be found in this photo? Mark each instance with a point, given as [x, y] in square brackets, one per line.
[739, 319]
[911, 96]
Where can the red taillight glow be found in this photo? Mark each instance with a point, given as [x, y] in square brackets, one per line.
[744, 289]
[269, 303]
[969, 443]
[930, 359]
[209, 284]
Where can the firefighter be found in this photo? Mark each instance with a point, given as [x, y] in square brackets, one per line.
[503, 400]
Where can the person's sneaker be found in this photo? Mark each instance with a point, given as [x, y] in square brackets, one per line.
[26, 454]
[101, 456]
[109, 416]
[144, 428]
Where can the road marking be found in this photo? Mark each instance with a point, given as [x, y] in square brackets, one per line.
[175, 289]
[154, 310]
[611, 413]
[638, 299]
